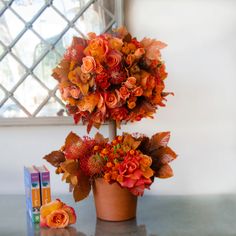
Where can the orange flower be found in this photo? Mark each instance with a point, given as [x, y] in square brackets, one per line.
[113, 59]
[132, 102]
[111, 100]
[130, 59]
[88, 65]
[57, 214]
[138, 91]
[58, 219]
[50, 207]
[115, 43]
[97, 48]
[123, 93]
[130, 82]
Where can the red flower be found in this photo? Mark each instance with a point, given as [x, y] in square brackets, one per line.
[102, 80]
[117, 75]
[119, 113]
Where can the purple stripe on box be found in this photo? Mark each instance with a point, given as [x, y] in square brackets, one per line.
[34, 177]
[45, 177]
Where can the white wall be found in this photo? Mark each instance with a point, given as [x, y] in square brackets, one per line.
[200, 60]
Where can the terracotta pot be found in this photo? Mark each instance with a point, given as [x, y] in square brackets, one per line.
[112, 202]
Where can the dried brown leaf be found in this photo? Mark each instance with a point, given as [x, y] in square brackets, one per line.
[163, 155]
[70, 166]
[82, 189]
[55, 158]
[159, 140]
[99, 138]
[164, 172]
[60, 73]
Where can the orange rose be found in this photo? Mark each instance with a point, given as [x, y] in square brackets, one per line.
[111, 100]
[138, 91]
[99, 67]
[88, 65]
[71, 212]
[115, 43]
[130, 59]
[113, 59]
[132, 102]
[58, 219]
[130, 83]
[57, 214]
[50, 207]
[97, 48]
[123, 93]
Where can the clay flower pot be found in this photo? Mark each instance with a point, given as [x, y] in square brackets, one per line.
[112, 202]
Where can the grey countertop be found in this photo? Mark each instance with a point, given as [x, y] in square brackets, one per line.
[157, 216]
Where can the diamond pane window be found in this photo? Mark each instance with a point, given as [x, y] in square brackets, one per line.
[34, 36]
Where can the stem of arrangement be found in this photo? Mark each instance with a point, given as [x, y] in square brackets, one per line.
[112, 129]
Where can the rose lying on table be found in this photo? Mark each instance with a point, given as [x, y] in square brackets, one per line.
[57, 214]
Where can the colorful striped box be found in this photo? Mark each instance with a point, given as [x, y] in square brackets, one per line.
[32, 192]
[45, 190]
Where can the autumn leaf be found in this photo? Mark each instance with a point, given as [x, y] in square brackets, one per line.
[55, 158]
[131, 142]
[159, 140]
[60, 73]
[82, 189]
[164, 155]
[88, 103]
[70, 166]
[164, 172]
[72, 146]
[99, 138]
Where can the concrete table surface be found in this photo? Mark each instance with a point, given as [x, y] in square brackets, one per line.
[213, 215]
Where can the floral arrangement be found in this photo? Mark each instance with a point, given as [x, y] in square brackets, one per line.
[112, 77]
[132, 161]
[57, 214]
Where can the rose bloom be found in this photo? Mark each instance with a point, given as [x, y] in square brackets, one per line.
[132, 102]
[97, 48]
[58, 219]
[130, 59]
[102, 80]
[99, 67]
[115, 43]
[111, 99]
[85, 77]
[123, 93]
[119, 113]
[88, 65]
[131, 176]
[113, 58]
[130, 83]
[138, 91]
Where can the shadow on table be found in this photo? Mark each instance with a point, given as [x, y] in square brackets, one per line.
[125, 228]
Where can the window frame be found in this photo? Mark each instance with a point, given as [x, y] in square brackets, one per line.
[58, 120]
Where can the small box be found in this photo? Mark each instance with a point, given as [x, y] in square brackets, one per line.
[45, 190]
[32, 192]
